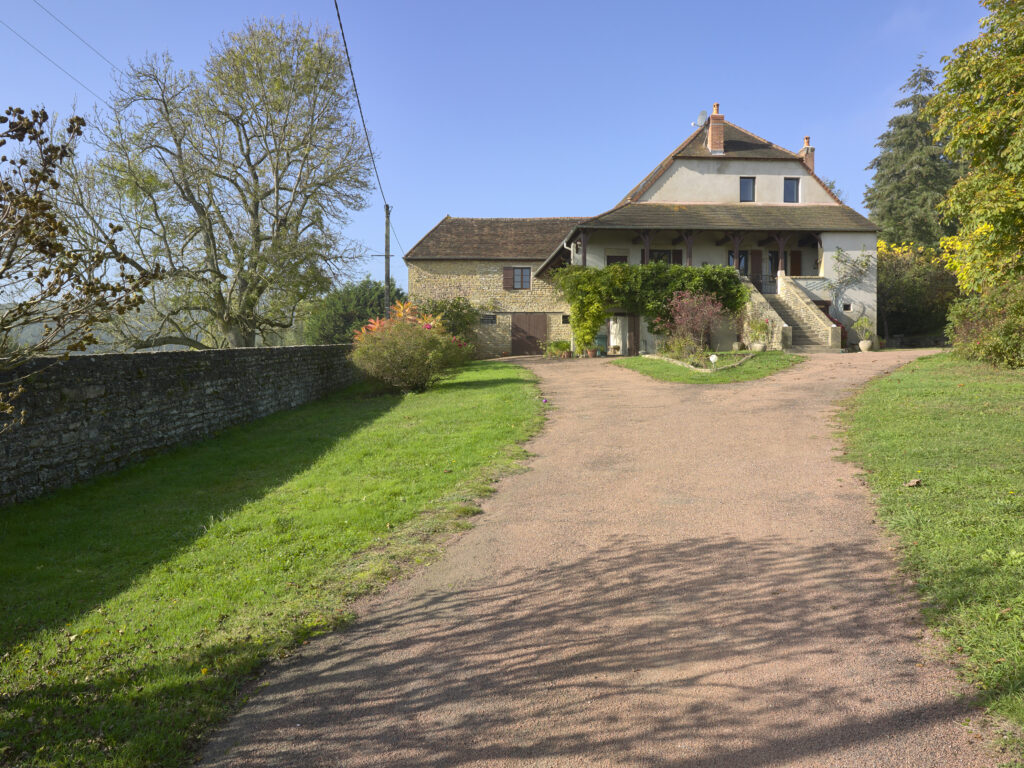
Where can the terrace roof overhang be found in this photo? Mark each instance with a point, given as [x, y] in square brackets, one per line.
[686, 219]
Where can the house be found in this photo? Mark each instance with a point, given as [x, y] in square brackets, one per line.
[724, 196]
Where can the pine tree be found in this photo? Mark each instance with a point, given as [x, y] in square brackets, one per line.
[912, 173]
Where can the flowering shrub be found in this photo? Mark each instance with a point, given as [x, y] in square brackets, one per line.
[409, 351]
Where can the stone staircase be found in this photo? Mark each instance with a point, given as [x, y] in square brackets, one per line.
[808, 336]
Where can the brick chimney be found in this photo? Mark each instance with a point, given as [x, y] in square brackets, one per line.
[806, 154]
[716, 133]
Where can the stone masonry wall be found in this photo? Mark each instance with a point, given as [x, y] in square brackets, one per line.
[480, 282]
[92, 414]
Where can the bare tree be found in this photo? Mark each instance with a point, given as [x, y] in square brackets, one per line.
[235, 182]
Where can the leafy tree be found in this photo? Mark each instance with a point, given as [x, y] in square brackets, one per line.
[234, 180]
[52, 290]
[914, 289]
[912, 172]
[978, 110]
[336, 318]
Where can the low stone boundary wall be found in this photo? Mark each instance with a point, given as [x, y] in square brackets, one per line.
[91, 414]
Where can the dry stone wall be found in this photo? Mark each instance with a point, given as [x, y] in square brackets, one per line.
[92, 414]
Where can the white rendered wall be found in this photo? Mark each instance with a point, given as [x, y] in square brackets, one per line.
[862, 298]
[717, 180]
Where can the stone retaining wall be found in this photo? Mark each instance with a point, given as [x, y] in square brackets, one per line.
[92, 414]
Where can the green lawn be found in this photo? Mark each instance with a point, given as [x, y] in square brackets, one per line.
[959, 427]
[763, 364]
[134, 606]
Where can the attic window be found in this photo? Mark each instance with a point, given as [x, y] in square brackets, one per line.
[791, 191]
[746, 189]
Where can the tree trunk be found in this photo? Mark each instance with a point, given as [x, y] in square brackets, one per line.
[237, 337]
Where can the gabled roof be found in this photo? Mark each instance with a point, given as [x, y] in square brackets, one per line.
[493, 239]
[790, 217]
[739, 144]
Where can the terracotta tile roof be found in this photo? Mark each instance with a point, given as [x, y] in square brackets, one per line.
[493, 239]
[732, 216]
[739, 144]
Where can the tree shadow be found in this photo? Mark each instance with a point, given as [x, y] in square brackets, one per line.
[64, 554]
[695, 653]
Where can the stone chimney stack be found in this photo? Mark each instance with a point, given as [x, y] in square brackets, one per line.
[806, 154]
[716, 133]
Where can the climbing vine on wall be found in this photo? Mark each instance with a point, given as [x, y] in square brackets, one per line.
[594, 294]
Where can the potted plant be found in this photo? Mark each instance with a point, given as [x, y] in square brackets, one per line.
[759, 331]
[863, 328]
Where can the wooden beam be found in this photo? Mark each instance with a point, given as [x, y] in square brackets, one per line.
[584, 240]
[645, 256]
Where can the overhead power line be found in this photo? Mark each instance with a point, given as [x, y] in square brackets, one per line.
[56, 18]
[359, 103]
[58, 66]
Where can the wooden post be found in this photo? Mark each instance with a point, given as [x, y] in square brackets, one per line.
[780, 242]
[387, 260]
[645, 236]
[584, 239]
[736, 241]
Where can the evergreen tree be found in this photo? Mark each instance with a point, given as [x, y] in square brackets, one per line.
[912, 173]
[335, 318]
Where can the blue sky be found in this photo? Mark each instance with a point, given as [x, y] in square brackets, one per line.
[538, 108]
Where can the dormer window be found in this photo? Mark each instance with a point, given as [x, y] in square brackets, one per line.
[791, 191]
[746, 189]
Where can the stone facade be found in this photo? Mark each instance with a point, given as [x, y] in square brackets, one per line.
[480, 281]
[92, 414]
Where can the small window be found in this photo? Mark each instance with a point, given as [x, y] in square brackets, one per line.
[515, 278]
[746, 189]
[565, 319]
[847, 307]
[488, 319]
[615, 258]
[791, 191]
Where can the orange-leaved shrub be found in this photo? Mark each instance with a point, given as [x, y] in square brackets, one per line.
[410, 350]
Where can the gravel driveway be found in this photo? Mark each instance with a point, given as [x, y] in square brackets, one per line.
[685, 577]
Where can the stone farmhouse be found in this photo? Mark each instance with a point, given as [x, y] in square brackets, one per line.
[723, 197]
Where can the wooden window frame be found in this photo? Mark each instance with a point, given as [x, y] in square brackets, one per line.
[515, 278]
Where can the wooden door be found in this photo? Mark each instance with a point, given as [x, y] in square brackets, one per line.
[633, 335]
[796, 263]
[529, 332]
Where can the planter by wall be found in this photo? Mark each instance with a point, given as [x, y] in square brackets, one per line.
[757, 346]
[865, 345]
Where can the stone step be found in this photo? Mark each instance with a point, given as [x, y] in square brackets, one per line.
[806, 334]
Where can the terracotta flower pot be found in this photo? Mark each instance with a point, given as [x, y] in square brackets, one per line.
[591, 353]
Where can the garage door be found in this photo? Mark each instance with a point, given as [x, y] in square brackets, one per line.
[529, 332]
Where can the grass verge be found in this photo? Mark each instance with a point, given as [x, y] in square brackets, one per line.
[959, 428]
[764, 364]
[134, 606]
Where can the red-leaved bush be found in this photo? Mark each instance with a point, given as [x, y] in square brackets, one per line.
[692, 316]
[409, 351]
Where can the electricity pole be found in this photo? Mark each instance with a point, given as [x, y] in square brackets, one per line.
[387, 259]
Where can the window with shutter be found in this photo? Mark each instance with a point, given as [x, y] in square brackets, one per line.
[507, 278]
